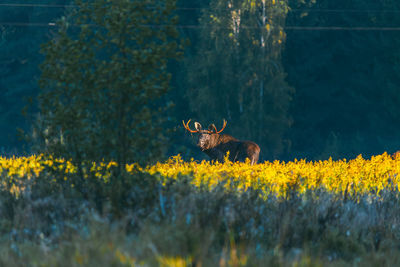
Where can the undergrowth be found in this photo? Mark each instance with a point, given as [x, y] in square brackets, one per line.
[139, 218]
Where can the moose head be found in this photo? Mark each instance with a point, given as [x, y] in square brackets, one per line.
[216, 145]
[207, 138]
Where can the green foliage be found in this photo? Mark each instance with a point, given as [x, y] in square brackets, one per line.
[339, 98]
[237, 73]
[103, 81]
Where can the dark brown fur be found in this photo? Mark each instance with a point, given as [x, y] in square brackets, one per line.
[238, 150]
[217, 145]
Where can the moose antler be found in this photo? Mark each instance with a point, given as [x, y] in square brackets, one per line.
[215, 128]
[223, 127]
[187, 127]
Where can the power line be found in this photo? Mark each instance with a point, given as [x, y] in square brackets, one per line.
[318, 28]
[288, 28]
[346, 10]
[35, 5]
[312, 28]
[321, 10]
[30, 24]
[305, 28]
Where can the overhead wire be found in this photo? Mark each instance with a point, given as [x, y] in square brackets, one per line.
[375, 10]
[291, 28]
[34, 5]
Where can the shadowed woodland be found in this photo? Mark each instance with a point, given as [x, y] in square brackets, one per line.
[297, 90]
[96, 168]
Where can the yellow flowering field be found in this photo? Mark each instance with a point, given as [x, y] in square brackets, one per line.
[354, 177]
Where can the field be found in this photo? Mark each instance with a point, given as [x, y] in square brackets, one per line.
[178, 213]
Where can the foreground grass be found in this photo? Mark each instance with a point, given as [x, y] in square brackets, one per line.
[328, 213]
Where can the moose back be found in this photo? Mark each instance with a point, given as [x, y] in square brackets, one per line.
[216, 145]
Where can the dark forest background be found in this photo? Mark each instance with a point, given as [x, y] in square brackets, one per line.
[302, 79]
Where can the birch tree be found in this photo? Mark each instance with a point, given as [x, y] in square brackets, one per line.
[238, 73]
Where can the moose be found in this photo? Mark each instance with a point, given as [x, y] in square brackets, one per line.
[216, 145]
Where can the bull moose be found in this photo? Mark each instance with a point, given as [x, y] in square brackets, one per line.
[216, 145]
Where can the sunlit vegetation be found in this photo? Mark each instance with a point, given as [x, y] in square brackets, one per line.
[354, 177]
[186, 213]
[351, 178]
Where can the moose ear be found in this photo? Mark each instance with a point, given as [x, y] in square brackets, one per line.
[212, 128]
[197, 126]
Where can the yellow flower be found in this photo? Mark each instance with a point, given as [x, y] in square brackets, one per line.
[354, 177]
